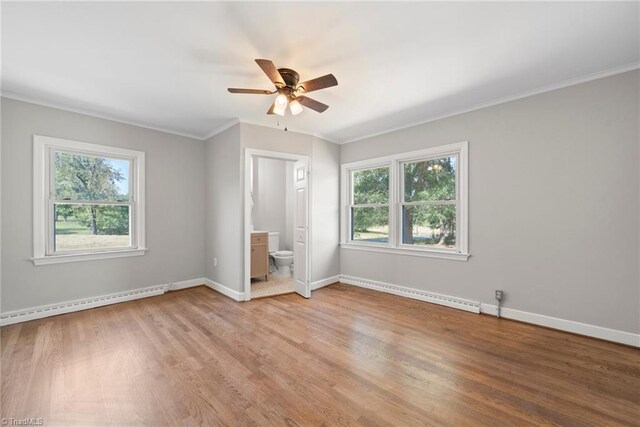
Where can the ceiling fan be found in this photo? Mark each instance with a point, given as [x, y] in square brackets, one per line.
[289, 91]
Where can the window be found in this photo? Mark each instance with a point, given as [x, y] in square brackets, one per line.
[413, 203]
[429, 202]
[88, 201]
[370, 205]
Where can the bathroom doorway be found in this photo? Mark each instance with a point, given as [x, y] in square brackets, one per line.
[276, 224]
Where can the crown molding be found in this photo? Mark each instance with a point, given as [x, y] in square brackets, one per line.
[548, 88]
[22, 98]
[221, 129]
[231, 123]
[212, 133]
[290, 129]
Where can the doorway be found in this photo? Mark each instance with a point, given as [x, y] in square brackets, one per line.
[276, 241]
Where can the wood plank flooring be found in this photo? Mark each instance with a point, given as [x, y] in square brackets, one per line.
[347, 356]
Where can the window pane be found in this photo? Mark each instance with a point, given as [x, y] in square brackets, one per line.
[370, 224]
[371, 186]
[79, 227]
[429, 225]
[430, 180]
[82, 177]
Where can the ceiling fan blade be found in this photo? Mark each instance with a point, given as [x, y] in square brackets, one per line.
[312, 103]
[271, 71]
[250, 91]
[273, 106]
[318, 83]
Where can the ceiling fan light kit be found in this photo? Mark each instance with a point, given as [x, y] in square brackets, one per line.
[295, 107]
[281, 100]
[279, 109]
[290, 91]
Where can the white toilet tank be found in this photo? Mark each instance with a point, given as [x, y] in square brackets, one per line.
[274, 241]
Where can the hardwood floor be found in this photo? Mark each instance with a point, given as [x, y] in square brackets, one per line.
[347, 356]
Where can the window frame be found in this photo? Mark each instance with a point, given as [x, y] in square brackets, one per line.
[351, 205]
[396, 163]
[44, 200]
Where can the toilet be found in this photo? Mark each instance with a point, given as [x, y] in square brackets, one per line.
[282, 259]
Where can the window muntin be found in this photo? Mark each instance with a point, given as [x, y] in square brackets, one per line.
[369, 206]
[427, 210]
[428, 202]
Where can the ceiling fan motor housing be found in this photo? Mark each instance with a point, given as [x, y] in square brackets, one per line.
[290, 77]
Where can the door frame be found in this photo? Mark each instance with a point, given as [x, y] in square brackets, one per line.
[249, 155]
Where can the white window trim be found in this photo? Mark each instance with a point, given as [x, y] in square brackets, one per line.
[461, 253]
[42, 147]
[349, 202]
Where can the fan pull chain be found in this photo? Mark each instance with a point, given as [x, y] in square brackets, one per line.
[284, 120]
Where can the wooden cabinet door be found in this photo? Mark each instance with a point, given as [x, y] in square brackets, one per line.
[259, 260]
[260, 255]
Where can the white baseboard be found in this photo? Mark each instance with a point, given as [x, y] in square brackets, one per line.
[40, 312]
[324, 282]
[579, 328]
[449, 301]
[187, 284]
[613, 335]
[33, 313]
[231, 293]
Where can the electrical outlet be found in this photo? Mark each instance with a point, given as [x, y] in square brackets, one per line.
[498, 295]
[215, 261]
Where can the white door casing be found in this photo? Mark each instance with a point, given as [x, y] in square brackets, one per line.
[305, 184]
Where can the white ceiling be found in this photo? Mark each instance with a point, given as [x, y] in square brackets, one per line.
[167, 65]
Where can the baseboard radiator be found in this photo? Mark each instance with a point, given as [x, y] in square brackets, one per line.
[446, 300]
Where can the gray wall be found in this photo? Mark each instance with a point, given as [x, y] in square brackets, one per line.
[554, 205]
[225, 182]
[223, 208]
[325, 210]
[290, 201]
[270, 188]
[174, 209]
[325, 189]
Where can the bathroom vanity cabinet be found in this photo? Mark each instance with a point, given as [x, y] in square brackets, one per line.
[260, 255]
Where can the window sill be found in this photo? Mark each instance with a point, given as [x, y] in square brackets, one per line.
[411, 252]
[57, 259]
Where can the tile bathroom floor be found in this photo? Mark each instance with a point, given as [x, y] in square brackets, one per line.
[274, 286]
